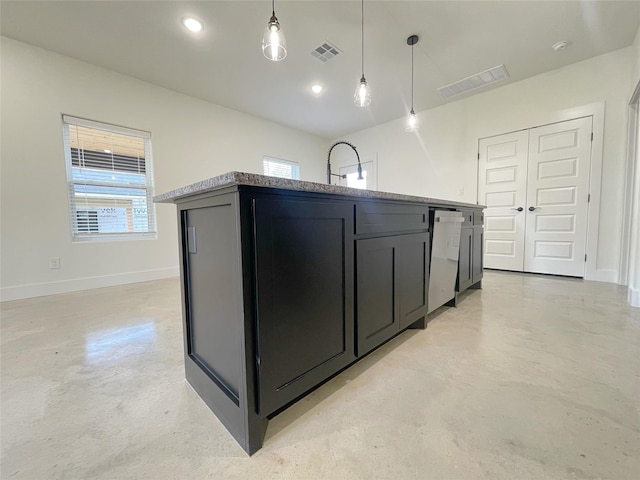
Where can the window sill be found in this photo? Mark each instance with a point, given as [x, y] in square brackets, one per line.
[116, 237]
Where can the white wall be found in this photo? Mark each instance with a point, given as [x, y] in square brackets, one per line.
[635, 77]
[191, 140]
[441, 159]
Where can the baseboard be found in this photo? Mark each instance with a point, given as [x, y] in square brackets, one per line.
[634, 297]
[20, 292]
[609, 276]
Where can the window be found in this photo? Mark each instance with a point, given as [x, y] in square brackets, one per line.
[109, 180]
[351, 180]
[274, 167]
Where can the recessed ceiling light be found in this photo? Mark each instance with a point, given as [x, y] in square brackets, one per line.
[317, 88]
[560, 45]
[107, 151]
[192, 24]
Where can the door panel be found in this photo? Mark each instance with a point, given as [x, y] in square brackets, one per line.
[558, 187]
[392, 286]
[555, 223]
[302, 248]
[502, 224]
[501, 175]
[500, 247]
[500, 199]
[211, 276]
[412, 272]
[553, 196]
[377, 305]
[566, 167]
[548, 249]
[502, 188]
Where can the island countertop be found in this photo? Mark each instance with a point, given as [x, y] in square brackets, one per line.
[252, 179]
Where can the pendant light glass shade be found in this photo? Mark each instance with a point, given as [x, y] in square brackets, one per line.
[274, 44]
[412, 122]
[362, 97]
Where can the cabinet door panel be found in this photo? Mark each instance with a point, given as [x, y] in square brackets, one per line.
[477, 266]
[211, 274]
[412, 271]
[464, 262]
[377, 308]
[304, 270]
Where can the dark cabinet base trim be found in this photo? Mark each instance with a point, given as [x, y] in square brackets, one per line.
[289, 383]
[461, 295]
[214, 378]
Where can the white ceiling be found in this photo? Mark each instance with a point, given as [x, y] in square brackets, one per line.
[224, 64]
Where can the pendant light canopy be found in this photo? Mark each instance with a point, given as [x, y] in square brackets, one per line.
[412, 121]
[362, 97]
[274, 45]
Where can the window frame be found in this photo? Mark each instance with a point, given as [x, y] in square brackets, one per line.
[77, 233]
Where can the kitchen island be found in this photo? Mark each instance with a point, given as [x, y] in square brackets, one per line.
[285, 283]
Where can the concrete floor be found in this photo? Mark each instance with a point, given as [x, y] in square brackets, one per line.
[531, 378]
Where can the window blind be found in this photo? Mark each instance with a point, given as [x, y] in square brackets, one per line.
[110, 186]
[276, 167]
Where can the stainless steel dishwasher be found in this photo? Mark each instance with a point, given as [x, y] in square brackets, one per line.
[445, 250]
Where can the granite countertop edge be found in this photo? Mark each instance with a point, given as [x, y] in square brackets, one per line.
[251, 179]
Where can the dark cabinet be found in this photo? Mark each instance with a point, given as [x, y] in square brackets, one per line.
[304, 279]
[470, 261]
[392, 285]
[283, 289]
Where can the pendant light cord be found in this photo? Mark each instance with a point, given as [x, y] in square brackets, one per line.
[412, 77]
[273, 8]
[362, 39]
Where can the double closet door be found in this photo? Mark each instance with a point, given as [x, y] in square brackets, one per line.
[535, 184]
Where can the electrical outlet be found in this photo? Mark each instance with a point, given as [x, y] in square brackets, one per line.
[54, 263]
[461, 192]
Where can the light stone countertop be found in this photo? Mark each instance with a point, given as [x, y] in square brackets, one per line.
[251, 179]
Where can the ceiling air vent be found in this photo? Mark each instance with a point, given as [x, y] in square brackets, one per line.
[326, 52]
[473, 82]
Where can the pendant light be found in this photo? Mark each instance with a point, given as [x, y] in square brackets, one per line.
[412, 121]
[274, 45]
[362, 97]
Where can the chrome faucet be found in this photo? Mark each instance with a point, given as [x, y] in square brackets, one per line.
[330, 174]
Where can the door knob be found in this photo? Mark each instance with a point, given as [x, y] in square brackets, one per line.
[531, 209]
[519, 209]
